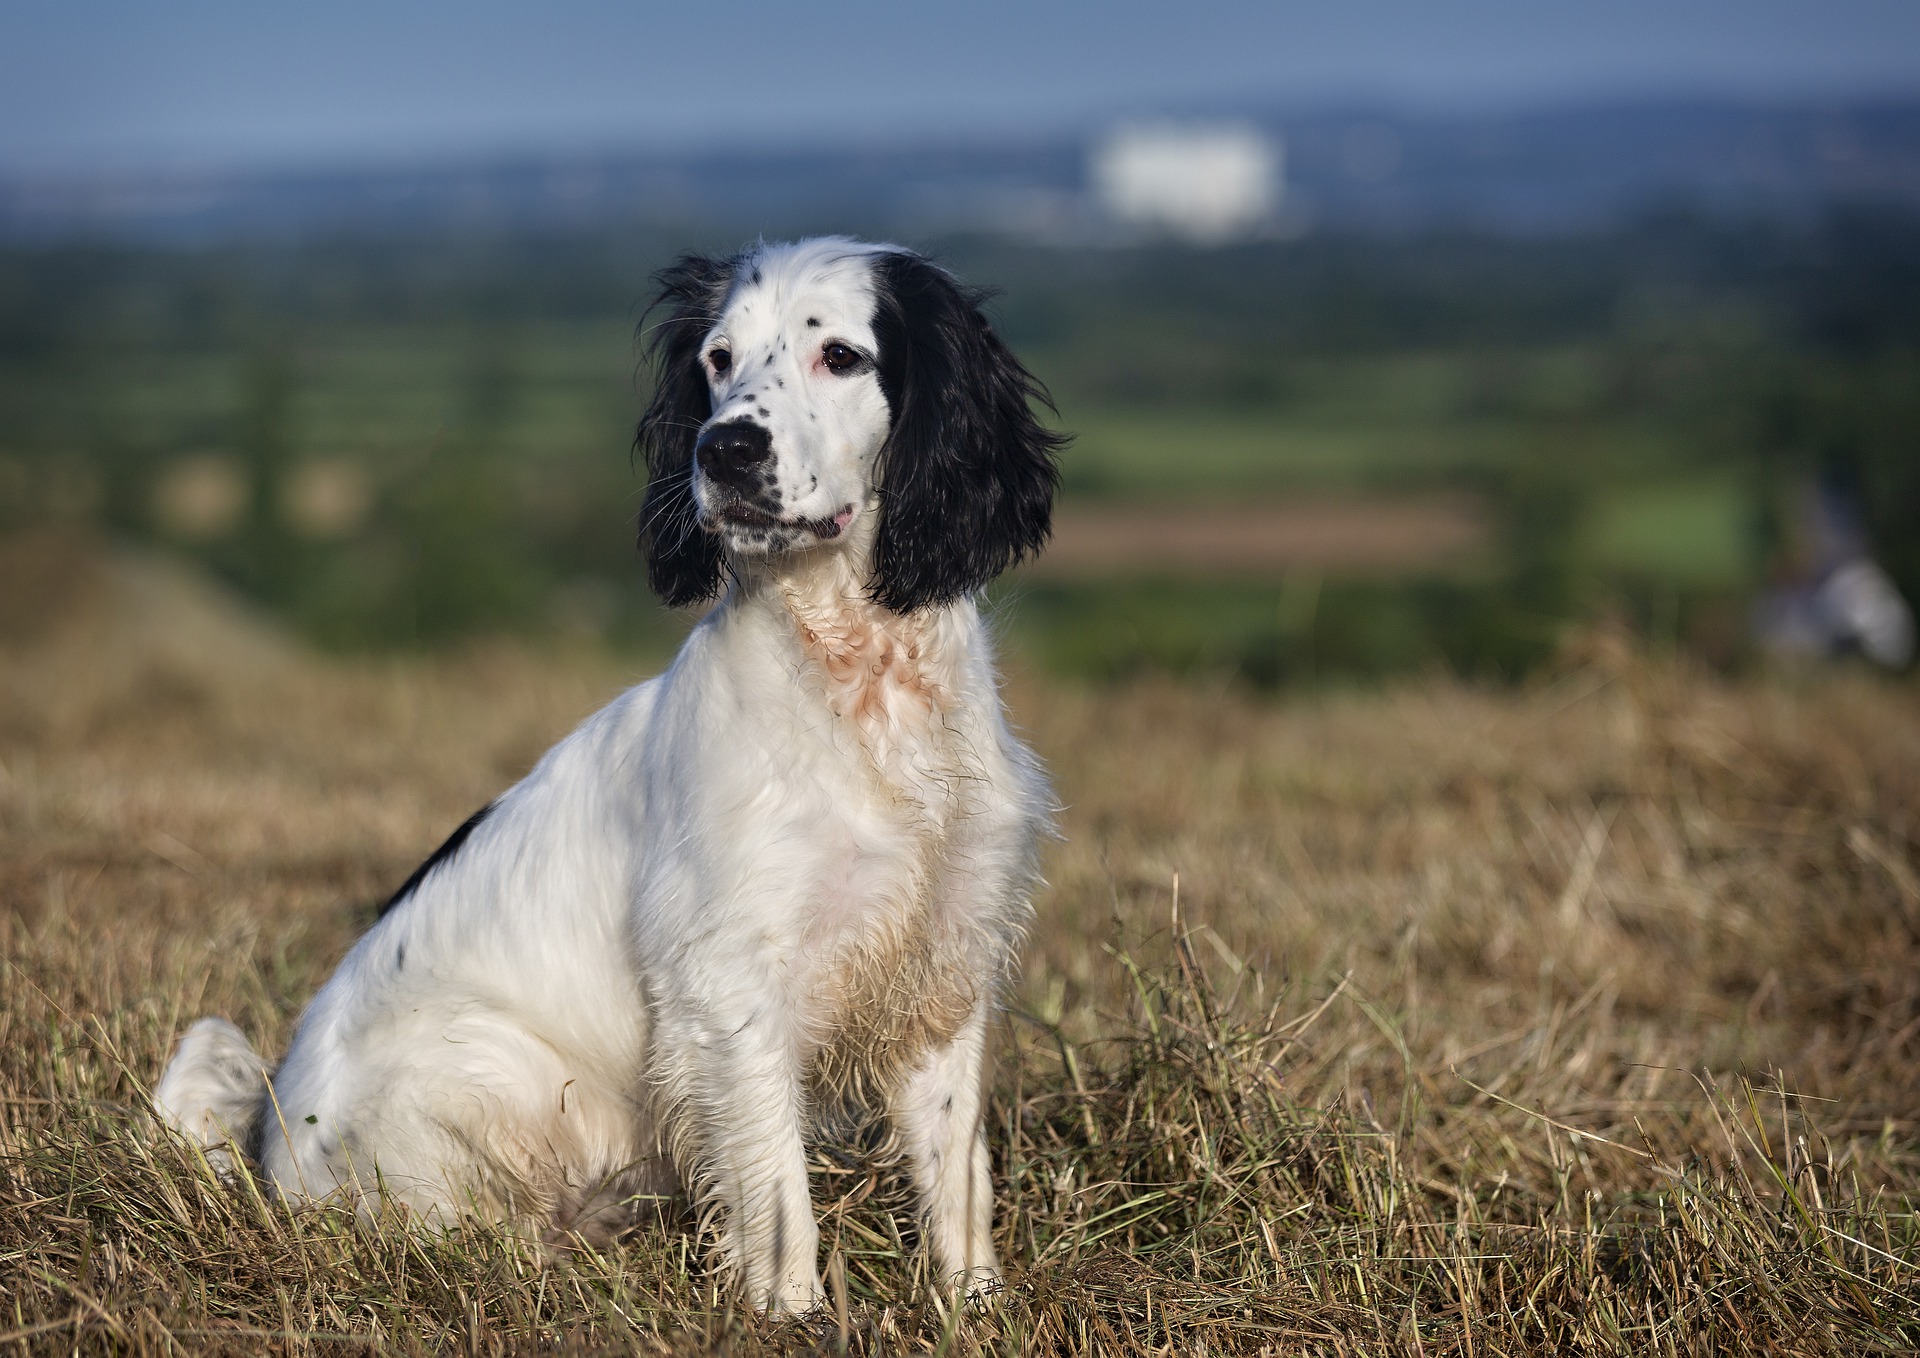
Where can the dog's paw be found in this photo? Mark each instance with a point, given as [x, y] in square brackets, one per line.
[794, 1297]
[982, 1287]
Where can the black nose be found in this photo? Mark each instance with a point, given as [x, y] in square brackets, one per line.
[735, 453]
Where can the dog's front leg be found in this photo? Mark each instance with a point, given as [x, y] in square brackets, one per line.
[938, 1114]
[745, 1110]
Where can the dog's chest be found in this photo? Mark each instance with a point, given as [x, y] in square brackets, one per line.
[884, 964]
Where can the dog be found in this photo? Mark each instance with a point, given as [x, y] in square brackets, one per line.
[786, 877]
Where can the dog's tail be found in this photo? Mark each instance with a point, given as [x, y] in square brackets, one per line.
[213, 1090]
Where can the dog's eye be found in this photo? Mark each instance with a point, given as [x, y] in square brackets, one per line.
[720, 358]
[841, 358]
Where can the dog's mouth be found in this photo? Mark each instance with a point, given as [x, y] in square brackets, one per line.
[760, 523]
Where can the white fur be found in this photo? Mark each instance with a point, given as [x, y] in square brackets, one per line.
[791, 869]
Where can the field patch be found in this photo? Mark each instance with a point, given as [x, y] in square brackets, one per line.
[1261, 540]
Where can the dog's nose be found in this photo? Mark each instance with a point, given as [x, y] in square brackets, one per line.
[735, 453]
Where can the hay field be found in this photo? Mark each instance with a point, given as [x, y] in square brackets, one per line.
[1584, 1018]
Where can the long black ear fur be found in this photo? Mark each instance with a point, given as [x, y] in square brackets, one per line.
[683, 563]
[967, 474]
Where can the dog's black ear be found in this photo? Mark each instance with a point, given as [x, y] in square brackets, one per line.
[968, 473]
[683, 563]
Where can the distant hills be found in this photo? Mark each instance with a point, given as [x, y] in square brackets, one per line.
[1568, 169]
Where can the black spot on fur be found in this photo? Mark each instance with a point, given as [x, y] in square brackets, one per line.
[683, 562]
[400, 958]
[812, 321]
[968, 473]
[756, 275]
[440, 855]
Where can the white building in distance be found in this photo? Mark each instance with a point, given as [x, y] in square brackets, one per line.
[1205, 182]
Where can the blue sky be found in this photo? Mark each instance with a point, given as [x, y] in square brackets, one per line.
[93, 83]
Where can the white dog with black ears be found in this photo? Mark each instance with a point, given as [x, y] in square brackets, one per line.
[788, 874]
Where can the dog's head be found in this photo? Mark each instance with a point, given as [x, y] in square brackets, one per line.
[805, 388]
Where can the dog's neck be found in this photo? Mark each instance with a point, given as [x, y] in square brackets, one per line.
[878, 668]
[893, 676]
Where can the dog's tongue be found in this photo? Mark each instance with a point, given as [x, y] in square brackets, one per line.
[842, 519]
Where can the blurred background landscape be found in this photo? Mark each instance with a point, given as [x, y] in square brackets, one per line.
[1487, 906]
[1369, 373]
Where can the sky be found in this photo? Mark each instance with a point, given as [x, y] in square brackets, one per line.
[119, 84]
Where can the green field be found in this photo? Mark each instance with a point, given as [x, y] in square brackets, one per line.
[1626, 411]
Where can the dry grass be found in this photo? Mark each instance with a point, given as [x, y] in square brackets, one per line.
[1580, 1020]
